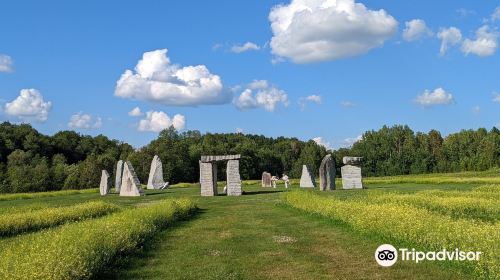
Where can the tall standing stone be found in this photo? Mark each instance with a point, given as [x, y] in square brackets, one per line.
[118, 175]
[130, 185]
[351, 173]
[233, 178]
[327, 174]
[104, 186]
[155, 179]
[208, 178]
[266, 180]
[306, 179]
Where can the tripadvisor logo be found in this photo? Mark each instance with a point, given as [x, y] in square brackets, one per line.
[387, 255]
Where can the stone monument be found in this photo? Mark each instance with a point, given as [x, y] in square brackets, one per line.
[118, 175]
[306, 179]
[130, 185]
[327, 174]
[155, 179]
[208, 175]
[104, 186]
[351, 173]
[266, 180]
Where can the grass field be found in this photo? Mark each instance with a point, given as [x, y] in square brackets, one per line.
[269, 234]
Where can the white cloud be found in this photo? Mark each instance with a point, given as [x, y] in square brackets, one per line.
[462, 12]
[449, 37]
[320, 141]
[155, 79]
[436, 97]
[311, 99]
[157, 121]
[29, 105]
[248, 46]
[496, 98]
[496, 14]
[84, 121]
[485, 43]
[260, 94]
[416, 29]
[239, 130]
[6, 63]
[347, 104]
[476, 109]
[350, 141]
[319, 30]
[136, 112]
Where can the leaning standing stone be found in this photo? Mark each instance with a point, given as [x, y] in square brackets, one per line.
[104, 186]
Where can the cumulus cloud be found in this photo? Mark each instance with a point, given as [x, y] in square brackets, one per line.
[436, 97]
[155, 79]
[416, 29]
[449, 37]
[347, 142]
[260, 94]
[496, 14]
[84, 121]
[306, 31]
[485, 43]
[320, 141]
[136, 112]
[6, 63]
[248, 46]
[309, 99]
[29, 105]
[157, 121]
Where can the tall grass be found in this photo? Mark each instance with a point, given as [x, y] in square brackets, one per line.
[11, 224]
[80, 250]
[15, 196]
[419, 227]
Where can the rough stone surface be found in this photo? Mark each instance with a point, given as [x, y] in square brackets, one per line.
[104, 186]
[306, 180]
[352, 160]
[219, 158]
[130, 185]
[351, 177]
[155, 179]
[327, 174]
[118, 176]
[266, 179]
[233, 178]
[208, 178]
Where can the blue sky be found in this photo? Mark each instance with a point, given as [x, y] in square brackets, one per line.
[329, 69]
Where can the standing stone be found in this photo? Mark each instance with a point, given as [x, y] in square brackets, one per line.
[306, 180]
[266, 180]
[105, 185]
[118, 176]
[208, 178]
[327, 174]
[233, 178]
[155, 180]
[130, 185]
[351, 173]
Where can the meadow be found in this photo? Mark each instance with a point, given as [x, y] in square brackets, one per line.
[265, 234]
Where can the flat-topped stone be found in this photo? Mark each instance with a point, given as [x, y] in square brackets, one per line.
[118, 175]
[208, 178]
[233, 178]
[104, 186]
[352, 160]
[327, 174]
[130, 183]
[307, 179]
[155, 179]
[219, 158]
[351, 177]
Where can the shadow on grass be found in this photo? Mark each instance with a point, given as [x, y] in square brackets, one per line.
[131, 259]
[263, 192]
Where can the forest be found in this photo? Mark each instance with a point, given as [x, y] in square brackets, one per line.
[31, 161]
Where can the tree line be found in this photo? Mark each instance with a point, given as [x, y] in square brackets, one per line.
[31, 161]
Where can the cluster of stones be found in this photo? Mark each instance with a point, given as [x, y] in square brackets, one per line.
[208, 175]
[266, 179]
[351, 173]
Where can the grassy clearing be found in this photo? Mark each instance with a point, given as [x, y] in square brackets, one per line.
[479, 177]
[80, 250]
[15, 196]
[12, 224]
[411, 225]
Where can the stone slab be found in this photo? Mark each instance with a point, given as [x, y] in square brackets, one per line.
[104, 185]
[233, 178]
[130, 185]
[208, 178]
[351, 177]
[307, 179]
[266, 180]
[352, 160]
[118, 175]
[211, 158]
[327, 174]
[155, 179]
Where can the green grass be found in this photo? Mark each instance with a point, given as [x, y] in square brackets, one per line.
[15, 196]
[256, 236]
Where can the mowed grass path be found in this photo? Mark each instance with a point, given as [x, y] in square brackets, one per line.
[256, 237]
